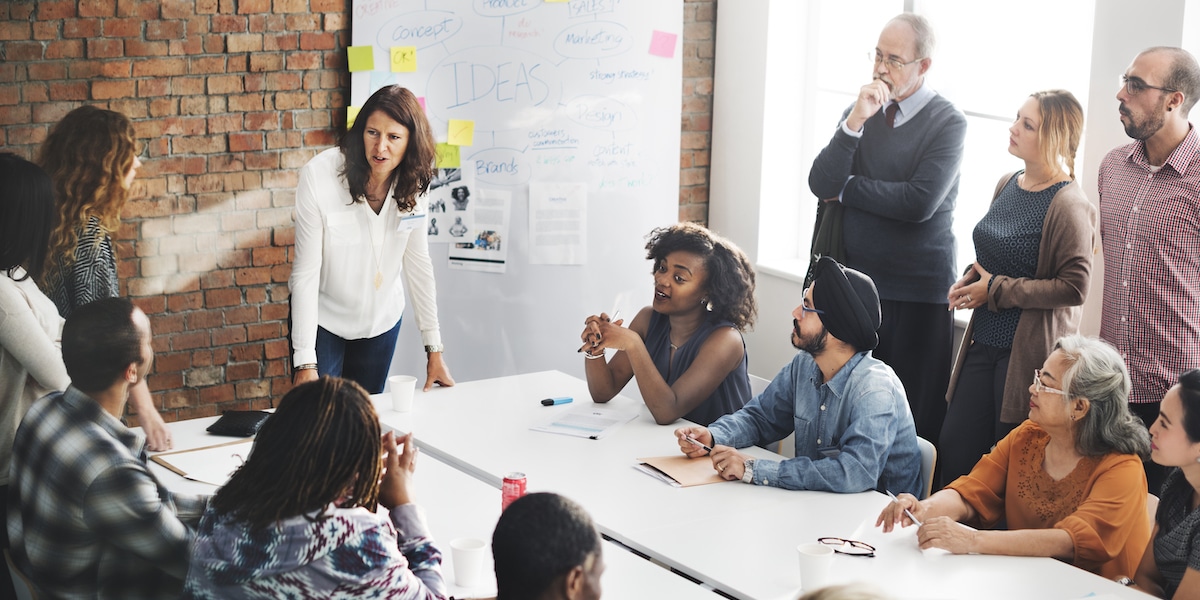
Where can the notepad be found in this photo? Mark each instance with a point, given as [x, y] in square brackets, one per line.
[680, 471]
[212, 464]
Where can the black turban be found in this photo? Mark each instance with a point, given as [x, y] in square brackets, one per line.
[849, 302]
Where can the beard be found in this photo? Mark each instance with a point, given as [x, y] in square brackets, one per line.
[814, 345]
[1148, 126]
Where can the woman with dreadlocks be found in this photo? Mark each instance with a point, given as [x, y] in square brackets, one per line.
[298, 518]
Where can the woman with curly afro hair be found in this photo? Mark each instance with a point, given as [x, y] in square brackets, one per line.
[685, 349]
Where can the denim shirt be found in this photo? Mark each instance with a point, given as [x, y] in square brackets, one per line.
[853, 433]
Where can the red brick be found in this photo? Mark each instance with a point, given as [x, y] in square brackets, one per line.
[222, 297]
[140, 48]
[44, 31]
[23, 51]
[303, 61]
[276, 349]
[50, 11]
[259, 121]
[105, 90]
[206, 65]
[218, 279]
[241, 142]
[200, 144]
[244, 42]
[14, 30]
[182, 302]
[229, 335]
[154, 87]
[240, 371]
[253, 276]
[164, 30]
[262, 160]
[284, 41]
[64, 49]
[116, 69]
[322, 137]
[160, 67]
[246, 102]
[202, 320]
[122, 28]
[266, 61]
[68, 91]
[164, 381]
[130, 106]
[224, 84]
[152, 305]
[224, 123]
[142, 9]
[220, 393]
[246, 7]
[336, 22]
[228, 24]
[291, 100]
[225, 163]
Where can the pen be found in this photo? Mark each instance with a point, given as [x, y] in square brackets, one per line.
[906, 511]
[557, 401]
[697, 442]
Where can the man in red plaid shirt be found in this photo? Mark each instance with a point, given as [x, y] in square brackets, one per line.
[1150, 226]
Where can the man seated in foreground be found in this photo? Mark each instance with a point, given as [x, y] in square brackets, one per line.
[546, 547]
[854, 429]
[86, 518]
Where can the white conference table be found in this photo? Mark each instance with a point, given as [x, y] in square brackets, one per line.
[737, 538]
[458, 505]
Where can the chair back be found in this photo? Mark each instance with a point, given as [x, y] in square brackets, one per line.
[786, 446]
[928, 459]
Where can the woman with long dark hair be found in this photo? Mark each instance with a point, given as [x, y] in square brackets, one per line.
[359, 229]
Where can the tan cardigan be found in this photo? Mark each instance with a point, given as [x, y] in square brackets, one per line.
[1051, 302]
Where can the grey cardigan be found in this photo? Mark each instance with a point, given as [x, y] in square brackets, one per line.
[1051, 302]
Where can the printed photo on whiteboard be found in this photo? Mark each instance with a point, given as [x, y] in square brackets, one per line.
[485, 247]
[557, 223]
[451, 214]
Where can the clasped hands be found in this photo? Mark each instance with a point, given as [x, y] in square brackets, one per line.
[729, 463]
[600, 332]
[934, 532]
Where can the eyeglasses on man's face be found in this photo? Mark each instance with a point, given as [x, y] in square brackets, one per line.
[892, 64]
[1134, 86]
[1042, 388]
[805, 309]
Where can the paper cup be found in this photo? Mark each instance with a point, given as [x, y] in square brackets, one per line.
[467, 555]
[815, 560]
[402, 387]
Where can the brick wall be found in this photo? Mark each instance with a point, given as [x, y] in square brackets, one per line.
[231, 97]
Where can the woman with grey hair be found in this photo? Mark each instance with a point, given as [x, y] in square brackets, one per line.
[1068, 482]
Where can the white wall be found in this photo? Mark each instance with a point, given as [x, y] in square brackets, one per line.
[754, 91]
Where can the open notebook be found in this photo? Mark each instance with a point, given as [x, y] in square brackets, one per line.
[679, 471]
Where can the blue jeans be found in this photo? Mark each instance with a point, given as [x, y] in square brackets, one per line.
[365, 361]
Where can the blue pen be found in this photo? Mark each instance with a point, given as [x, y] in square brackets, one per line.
[557, 401]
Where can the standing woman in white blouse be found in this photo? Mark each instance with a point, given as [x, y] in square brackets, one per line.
[360, 226]
[31, 363]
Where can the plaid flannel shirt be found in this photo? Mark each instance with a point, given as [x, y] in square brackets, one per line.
[86, 518]
[1150, 226]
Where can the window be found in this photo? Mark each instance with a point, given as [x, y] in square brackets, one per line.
[986, 64]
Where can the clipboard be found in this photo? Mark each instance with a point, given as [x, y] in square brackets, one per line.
[213, 465]
[680, 471]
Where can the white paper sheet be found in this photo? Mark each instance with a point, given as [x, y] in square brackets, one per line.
[213, 465]
[592, 422]
[451, 201]
[557, 223]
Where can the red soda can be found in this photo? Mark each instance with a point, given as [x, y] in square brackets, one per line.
[512, 488]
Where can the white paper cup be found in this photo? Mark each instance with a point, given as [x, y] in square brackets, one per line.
[402, 387]
[467, 555]
[815, 560]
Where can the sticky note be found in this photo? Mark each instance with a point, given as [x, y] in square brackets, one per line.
[662, 44]
[447, 157]
[555, 1]
[421, 101]
[404, 59]
[462, 132]
[361, 58]
[351, 114]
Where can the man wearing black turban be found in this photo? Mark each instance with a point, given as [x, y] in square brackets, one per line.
[854, 430]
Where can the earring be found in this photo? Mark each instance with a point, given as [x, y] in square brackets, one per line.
[1198, 459]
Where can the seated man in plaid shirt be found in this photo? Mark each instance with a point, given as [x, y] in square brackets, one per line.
[86, 518]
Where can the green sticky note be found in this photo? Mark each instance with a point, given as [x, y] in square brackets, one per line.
[447, 157]
[462, 132]
[351, 114]
[404, 59]
[362, 58]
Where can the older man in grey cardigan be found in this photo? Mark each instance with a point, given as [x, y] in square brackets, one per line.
[893, 166]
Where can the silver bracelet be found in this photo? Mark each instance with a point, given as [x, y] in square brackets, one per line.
[590, 356]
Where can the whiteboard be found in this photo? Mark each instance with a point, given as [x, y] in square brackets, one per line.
[560, 92]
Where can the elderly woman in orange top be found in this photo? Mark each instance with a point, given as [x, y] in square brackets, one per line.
[1068, 481]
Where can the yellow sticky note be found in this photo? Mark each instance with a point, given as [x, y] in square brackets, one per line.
[361, 58]
[404, 59]
[462, 132]
[447, 157]
[351, 114]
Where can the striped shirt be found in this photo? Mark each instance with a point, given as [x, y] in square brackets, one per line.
[1150, 226]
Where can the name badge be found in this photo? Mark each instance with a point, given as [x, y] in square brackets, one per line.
[410, 222]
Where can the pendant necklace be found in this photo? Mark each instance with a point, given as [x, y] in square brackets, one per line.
[375, 253]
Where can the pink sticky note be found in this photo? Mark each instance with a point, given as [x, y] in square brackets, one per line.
[663, 44]
[421, 101]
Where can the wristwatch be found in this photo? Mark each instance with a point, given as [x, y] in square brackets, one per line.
[434, 348]
[1124, 580]
[748, 471]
